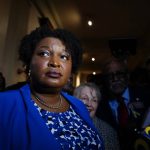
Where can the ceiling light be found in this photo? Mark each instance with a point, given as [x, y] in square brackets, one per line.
[93, 59]
[94, 73]
[90, 23]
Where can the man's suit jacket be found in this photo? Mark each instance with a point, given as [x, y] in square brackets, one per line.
[139, 102]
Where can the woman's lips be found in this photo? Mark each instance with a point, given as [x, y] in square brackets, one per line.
[53, 74]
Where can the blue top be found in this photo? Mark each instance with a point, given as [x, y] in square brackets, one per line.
[70, 130]
[22, 128]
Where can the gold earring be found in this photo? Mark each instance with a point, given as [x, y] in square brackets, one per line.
[24, 67]
[29, 73]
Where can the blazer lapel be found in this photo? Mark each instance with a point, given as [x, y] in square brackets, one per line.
[41, 137]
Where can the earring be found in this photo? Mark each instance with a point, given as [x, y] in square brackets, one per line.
[29, 73]
[24, 67]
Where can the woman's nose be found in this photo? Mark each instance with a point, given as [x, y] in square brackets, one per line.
[89, 103]
[54, 62]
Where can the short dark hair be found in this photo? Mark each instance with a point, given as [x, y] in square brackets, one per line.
[29, 42]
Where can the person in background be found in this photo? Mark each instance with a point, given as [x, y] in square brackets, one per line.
[121, 106]
[90, 94]
[19, 84]
[15, 86]
[68, 88]
[39, 115]
[2, 82]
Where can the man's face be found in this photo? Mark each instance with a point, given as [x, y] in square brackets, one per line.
[116, 77]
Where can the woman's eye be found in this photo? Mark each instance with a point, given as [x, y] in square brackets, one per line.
[94, 100]
[44, 53]
[65, 57]
[84, 99]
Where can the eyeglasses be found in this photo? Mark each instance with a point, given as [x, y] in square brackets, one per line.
[118, 74]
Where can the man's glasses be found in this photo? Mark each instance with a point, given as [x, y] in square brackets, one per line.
[118, 74]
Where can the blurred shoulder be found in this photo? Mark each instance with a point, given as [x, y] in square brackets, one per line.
[9, 97]
[9, 93]
[104, 125]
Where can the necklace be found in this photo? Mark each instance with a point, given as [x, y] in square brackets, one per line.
[48, 106]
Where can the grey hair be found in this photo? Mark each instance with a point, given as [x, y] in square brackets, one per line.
[77, 90]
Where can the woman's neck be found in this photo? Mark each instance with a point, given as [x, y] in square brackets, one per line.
[45, 89]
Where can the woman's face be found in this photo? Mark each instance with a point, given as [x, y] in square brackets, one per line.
[51, 64]
[89, 98]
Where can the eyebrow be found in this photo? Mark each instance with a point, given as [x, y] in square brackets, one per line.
[84, 95]
[43, 46]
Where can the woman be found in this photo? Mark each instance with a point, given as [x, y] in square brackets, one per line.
[90, 94]
[38, 115]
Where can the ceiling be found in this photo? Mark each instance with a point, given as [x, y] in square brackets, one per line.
[111, 19]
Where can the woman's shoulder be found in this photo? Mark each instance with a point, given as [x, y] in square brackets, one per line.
[108, 133]
[8, 93]
[16, 85]
[11, 93]
[102, 124]
[11, 97]
[8, 98]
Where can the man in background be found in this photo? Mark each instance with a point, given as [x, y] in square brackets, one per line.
[122, 107]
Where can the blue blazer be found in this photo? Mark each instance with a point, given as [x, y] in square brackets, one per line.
[21, 126]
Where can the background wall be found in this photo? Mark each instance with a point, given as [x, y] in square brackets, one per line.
[18, 17]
